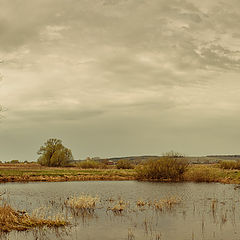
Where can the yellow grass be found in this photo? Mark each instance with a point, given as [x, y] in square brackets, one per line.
[82, 203]
[11, 219]
[164, 204]
[118, 208]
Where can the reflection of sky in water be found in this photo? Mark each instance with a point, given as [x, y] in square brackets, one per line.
[194, 218]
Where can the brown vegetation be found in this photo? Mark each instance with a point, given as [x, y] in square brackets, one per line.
[170, 167]
[124, 164]
[84, 204]
[33, 172]
[20, 221]
[166, 204]
[230, 164]
[91, 164]
[118, 208]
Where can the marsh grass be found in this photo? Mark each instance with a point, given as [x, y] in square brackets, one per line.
[11, 219]
[230, 164]
[202, 173]
[118, 208]
[141, 203]
[83, 204]
[166, 204]
[131, 235]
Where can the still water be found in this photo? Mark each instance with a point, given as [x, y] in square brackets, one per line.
[205, 211]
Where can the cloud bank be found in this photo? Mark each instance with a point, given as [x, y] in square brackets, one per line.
[125, 77]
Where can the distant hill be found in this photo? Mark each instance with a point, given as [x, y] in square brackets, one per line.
[194, 159]
[133, 158]
[224, 156]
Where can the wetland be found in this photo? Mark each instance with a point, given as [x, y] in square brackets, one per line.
[128, 210]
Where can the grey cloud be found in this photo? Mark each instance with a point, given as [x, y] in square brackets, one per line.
[218, 56]
[56, 115]
[124, 72]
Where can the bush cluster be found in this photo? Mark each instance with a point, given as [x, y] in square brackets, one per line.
[169, 167]
[87, 164]
[124, 164]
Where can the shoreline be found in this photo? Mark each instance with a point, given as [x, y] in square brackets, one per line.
[26, 178]
[208, 173]
[29, 179]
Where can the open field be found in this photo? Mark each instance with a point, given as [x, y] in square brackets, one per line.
[35, 172]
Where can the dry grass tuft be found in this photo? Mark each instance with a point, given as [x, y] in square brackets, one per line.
[141, 203]
[20, 221]
[165, 204]
[84, 204]
[118, 208]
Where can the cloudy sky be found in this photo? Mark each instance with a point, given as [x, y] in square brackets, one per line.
[120, 77]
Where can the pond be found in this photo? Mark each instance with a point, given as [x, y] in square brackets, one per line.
[197, 211]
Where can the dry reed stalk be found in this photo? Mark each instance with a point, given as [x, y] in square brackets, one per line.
[20, 221]
[118, 208]
[82, 204]
[165, 203]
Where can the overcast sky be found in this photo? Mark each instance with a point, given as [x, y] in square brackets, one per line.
[120, 77]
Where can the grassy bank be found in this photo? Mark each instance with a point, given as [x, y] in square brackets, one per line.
[35, 172]
[211, 173]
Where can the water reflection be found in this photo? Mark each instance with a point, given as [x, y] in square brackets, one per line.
[154, 211]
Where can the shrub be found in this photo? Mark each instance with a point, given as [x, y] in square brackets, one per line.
[124, 164]
[14, 161]
[170, 167]
[91, 164]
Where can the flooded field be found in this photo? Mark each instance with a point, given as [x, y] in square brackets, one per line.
[129, 210]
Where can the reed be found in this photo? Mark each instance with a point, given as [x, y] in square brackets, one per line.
[131, 235]
[82, 204]
[230, 164]
[165, 204]
[118, 208]
[203, 173]
[11, 219]
[141, 203]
